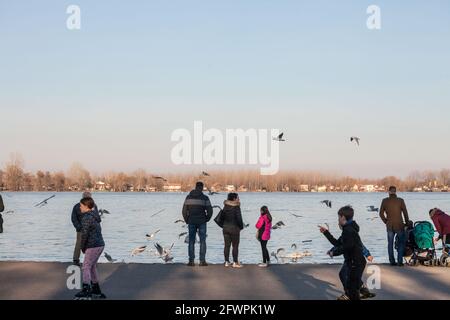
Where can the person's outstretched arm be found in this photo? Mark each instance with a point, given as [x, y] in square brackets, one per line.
[2, 206]
[335, 242]
[383, 212]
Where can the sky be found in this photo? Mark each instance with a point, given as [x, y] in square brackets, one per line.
[110, 94]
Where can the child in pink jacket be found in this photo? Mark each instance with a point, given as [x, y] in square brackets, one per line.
[264, 225]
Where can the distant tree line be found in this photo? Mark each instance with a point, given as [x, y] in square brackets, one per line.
[13, 177]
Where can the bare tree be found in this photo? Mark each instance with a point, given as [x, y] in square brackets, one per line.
[14, 173]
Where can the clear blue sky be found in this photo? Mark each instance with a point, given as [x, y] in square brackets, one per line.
[109, 95]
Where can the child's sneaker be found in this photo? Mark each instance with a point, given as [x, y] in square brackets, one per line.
[366, 294]
[237, 265]
[227, 264]
[85, 293]
[343, 297]
[263, 265]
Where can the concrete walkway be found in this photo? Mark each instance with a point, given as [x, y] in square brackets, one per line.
[42, 280]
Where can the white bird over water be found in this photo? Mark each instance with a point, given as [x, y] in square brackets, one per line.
[164, 253]
[280, 137]
[138, 250]
[328, 203]
[356, 139]
[152, 235]
[372, 209]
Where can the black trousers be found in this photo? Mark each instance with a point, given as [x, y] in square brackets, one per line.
[231, 238]
[353, 281]
[265, 252]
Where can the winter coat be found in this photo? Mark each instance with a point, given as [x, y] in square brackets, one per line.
[264, 221]
[197, 208]
[391, 210]
[77, 216]
[91, 231]
[441, 222]
[232, 216]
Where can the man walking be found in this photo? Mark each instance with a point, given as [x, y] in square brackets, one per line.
[76, 221]
[197, 211]
[391, 211]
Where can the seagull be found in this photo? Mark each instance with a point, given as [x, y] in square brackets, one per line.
[246, 225]
[294, 246]
[186, 239]
[44, 202]
[211, 193]
[296, 215]
[103, 211]
[157, 212]
[138, 250]
[280, 250]
[152, 235]
[371, 219]
[372, 209]
[328, 203]
[206, 174]
[164, 253]
[218, 207]
[109, 258]
[159, 178]
[182, 234]
[179, 221]
[9, 211]
[356, 139]
[306, 241]
[273, 254]
[278, 225]
[280, 137]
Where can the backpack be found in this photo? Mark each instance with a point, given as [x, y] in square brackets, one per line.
[423, 234]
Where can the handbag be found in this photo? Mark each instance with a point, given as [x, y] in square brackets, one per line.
[219, 219]
[260, 232]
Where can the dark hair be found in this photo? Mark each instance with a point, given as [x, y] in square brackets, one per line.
[346, 212]
[232, 196]
[88, 202]
[431, 210]
[393, 188]
[265, 211]
[199, 185]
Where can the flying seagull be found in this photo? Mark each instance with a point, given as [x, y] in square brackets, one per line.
[179, 221]
[356, 139]
[157, 212]
[9, 211]
[296, 215]
[372, 209]
[182, 234]
[371, 219]
[211, 193]
[278, 225]
[103, 211]
[328, 203]
[109, 258]
[306, 241]
[152, 235]
[159, 178]
[164, 254]
[280, 137]
[206, 174]
[294, 246]
[138, 250]
[44, 202]
[218, 207]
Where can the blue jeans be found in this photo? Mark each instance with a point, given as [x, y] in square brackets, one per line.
[202, 234]
[401, 238]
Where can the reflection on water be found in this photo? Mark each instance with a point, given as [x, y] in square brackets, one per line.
[46, 234]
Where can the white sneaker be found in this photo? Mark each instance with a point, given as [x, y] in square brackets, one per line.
[237, 265]
[263, 265]
[227, 264]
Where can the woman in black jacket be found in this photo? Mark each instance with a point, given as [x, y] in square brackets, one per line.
[232, 226]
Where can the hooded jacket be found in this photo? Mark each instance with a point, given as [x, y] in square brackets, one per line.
[91, 231]
[349, 244]
[264, 221]
[391, 211]
[77, 216]
[441, 222]
[2, 207]
[232, 216]
[197, 208]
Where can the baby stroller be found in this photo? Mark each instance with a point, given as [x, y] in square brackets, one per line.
[444, 260]
[424, 251]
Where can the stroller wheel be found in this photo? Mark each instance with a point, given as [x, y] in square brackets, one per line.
[444, 261]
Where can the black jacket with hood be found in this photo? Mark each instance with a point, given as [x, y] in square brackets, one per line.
[197, 208]
[349, 244]
[91, 231]
[232, 216]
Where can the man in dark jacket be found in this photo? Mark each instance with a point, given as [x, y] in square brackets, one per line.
[2, 208]
[391, 211]
[197, 211]
[349, 245]
[76, 221]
